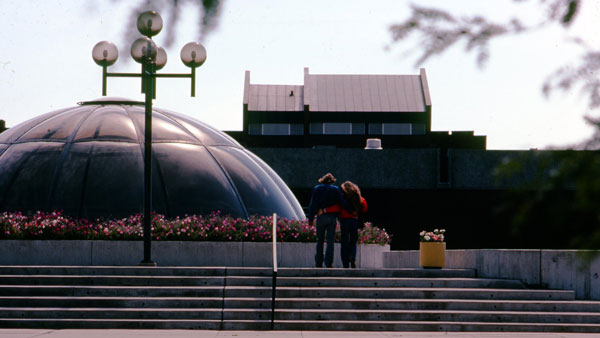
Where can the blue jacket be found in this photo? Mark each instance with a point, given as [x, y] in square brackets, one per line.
[323, 196]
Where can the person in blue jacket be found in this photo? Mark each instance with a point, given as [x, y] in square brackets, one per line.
[324, 195]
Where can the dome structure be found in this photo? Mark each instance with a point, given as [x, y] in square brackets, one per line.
[88, 162]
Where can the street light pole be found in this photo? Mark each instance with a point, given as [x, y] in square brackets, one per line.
[152, 58]
[148, 79]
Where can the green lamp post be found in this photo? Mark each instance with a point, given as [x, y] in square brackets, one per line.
[152, 58]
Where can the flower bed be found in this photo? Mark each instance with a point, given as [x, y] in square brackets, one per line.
[214, 227]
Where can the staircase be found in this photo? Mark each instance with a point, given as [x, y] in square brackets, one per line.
[214, 298]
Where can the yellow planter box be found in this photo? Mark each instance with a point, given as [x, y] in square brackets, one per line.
[432, 254]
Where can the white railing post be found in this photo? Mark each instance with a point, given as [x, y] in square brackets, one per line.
[274, 282]
[275, 242]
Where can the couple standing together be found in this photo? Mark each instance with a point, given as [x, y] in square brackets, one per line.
[328, 203]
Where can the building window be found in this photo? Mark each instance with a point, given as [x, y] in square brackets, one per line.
[254, 129]
[358, 128]
[275, 129]
[396, 129]
[375, 128]
[296, 129]
[418, 129]
[337, 128]
[316, 128]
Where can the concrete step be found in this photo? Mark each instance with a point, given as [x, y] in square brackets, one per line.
[118, 270]
[146, 324]
[112, 313]
[425, 315]
[233, 271]
[440, 326]
[122, 302]
[105, 280]
[377, 273]
[420, 304]
[302, 303]
[400, 293]
[284, 292]
[111, 291]
[307, 299]
[305, 325]
[108, 280]
[305, 314]
[394, 282]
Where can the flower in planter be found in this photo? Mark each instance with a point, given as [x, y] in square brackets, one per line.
[371, 234]
[436, 235]
[213, 227]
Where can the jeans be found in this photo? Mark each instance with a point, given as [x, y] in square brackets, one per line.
[326, 224]
[349, 236]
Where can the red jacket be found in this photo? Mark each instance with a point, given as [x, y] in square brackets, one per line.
[344, 213]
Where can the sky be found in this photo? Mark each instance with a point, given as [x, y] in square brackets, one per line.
[46, 63]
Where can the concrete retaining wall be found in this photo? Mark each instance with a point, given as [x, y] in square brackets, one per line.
[554, 269]
[173, 253]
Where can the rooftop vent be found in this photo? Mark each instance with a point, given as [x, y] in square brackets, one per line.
[373, 144]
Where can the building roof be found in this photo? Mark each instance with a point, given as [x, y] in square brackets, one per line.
[276, 98]
[339, 93]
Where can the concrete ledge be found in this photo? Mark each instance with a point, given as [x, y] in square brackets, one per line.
[175, 253]
[555, 269]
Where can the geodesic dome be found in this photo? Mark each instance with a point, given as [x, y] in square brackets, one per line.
[88, 162]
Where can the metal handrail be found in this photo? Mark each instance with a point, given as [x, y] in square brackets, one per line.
[274, 282]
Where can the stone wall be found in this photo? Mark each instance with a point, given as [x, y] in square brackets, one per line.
[554, 269]
[174, 253]
[398, 169]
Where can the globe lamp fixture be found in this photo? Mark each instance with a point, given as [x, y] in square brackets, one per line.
[152, 58]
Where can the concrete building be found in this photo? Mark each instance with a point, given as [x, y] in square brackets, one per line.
[420, 179]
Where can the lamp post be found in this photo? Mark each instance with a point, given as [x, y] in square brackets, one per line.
[152, 58]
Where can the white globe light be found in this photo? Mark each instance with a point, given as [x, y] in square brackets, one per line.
[161, 58]
[149, 23]
[144, 49]
[193, 54]
[105, 53]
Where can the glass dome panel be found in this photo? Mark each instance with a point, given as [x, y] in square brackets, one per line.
[124, 162]
[11, 135]
[10, 163]
[59, 127]
[108, 123]
[281, 184]
[38, 162]
[69, 187]
[206, 134]
[260, 194]
[202, 188]
[163, 128]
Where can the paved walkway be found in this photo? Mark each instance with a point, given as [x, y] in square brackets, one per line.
[40, 333]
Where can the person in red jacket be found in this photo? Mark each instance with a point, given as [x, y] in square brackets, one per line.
[349, 221]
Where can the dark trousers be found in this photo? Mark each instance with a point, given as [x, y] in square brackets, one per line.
[326, 224]
[349, 236]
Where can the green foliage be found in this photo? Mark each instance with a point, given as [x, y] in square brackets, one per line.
[562, 200]
[439, 30]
